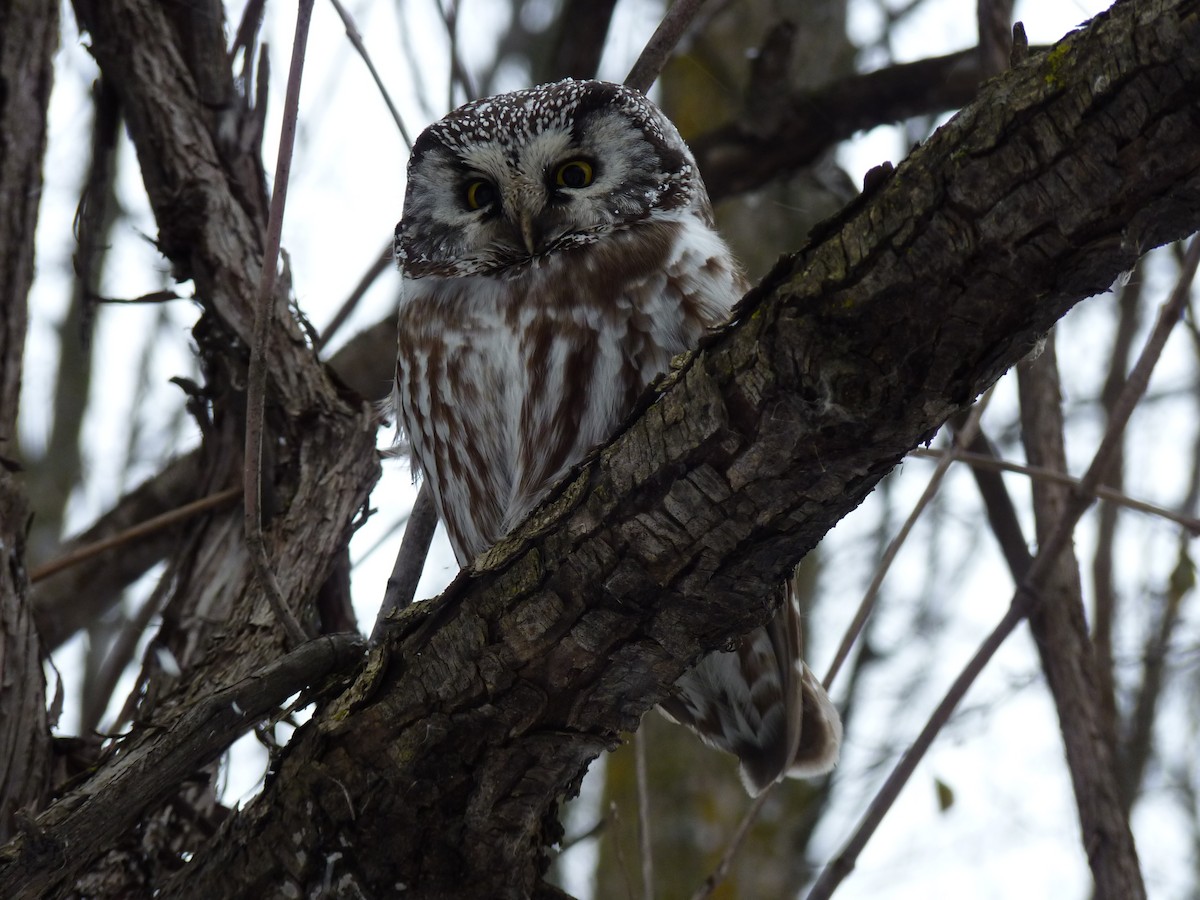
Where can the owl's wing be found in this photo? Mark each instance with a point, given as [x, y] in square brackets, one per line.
[761, 703]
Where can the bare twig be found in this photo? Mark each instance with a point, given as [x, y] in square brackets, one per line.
[119, 654]
[355, 37]
[136, 533]
[889, 556]
[614, 816]
[580, 40]
[586, 835]
[1138, 735]
[1103, 492]
[382, 263]
[1001, 513]
[458, 72]
[843, 863]
[969, 429]
[995, 34]
[661, 43]
[746, 153]
[1105, 600]
[264, 315]
[247, 35]
[643, 795]
[410, 560]
[1027, 593]
[1059, 628]
[735, 843]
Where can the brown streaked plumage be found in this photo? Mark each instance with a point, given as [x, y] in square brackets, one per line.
[558, 249]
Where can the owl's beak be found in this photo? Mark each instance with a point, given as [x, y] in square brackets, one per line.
[529, 231]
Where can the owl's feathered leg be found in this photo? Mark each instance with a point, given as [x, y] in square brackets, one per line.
[761, 703]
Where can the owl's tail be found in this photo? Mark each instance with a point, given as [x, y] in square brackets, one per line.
[761, 703]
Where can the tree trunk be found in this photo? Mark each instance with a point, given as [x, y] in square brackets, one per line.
[28, 39]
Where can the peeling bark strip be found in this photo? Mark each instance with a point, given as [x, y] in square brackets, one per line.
[440, 770]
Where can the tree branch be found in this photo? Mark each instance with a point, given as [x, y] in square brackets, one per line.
[747, 154]
[71, 834]
[1060, 631]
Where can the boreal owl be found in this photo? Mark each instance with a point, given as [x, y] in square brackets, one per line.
[557, 249]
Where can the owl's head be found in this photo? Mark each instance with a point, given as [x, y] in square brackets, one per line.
[508, 179]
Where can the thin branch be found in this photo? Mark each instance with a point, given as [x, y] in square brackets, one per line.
[382, 263]
[118, 657]
[1138, 738]
[994, 18]
[397, 527]
[58, 604]
[1001, 513]
[52, 479]
[662, 43]
[1059, 629]
[458, 72]
[582, 33]
[257, 376]
[1027, 594]
[1105, 598]
[741, 155]
[586, 835]
[410, 560]
[1035, 311]
[1039, 473]
[868, 601]
[841, 866]
[643, 794]
[735, 844]
[136, 533]
[355, 37]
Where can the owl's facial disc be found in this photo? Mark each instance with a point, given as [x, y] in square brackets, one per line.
[536, 194]
[519, 177]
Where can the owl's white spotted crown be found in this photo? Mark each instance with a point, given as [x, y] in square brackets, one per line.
[483, 197]
[557, 104]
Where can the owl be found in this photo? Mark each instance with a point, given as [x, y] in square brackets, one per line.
[557, 249]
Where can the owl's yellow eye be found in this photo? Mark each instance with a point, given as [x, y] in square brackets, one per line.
[479, 193]
[576, 173]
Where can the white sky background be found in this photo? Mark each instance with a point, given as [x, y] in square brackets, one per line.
[1012, 830]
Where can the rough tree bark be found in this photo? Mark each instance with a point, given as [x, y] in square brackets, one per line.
[28, 39]
[440, 766]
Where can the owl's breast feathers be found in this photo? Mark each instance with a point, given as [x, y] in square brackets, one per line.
[503, 383]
